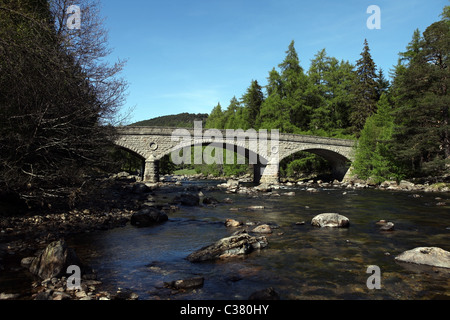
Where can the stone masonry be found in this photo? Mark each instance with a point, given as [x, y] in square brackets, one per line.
[269, 148]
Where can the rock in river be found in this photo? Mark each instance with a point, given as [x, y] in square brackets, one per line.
[264, 228]
[188, 199]
[266, 294]
[231, 223]
[388, 226]
[54, 260]
[237, 245]
[147, 217]
[210, 200]
[430, 256]
[332, 220]
[185, 284]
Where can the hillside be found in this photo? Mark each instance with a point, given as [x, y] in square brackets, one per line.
[182, 120]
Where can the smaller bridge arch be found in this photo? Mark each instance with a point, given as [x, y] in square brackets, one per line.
[340, 163]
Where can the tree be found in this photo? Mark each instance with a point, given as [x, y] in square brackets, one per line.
[52, 117]
[365, 90]
[284, 107]
[233, 115]
[294, 83]
[216, 118]
[374, 157]
[422, 103]
[252, 102]
[317, 92]
[88, 47]
[328, 94]
[413, 48]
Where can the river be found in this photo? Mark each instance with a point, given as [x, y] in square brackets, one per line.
[301, 261]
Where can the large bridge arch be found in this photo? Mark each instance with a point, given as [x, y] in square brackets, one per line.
[254, 157]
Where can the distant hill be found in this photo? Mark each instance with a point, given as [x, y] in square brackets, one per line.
[182, 120]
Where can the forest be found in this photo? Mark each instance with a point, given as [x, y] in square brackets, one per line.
[401, 124]
[182, 120]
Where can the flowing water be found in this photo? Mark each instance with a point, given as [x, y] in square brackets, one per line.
[301, 261]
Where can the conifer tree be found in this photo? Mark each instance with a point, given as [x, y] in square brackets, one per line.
[252, 102]
[284, 108]
[374, 157]
[422, 141]
[328, 94]
[365, 90]
[216, 119]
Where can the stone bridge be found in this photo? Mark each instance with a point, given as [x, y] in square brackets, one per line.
[264, 149]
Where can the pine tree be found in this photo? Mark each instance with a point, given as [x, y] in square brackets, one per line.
[317, 92]
[293, 83]
[252, 102]
[230, 121]
[365, 90]
[374, 157]
[274, 85]
[328, 94]
[422, 103]
[216, 119]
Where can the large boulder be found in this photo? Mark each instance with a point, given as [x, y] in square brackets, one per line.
[140, 188]
[430, 256]
[237, 245]
[148, 216]
[210, 201]
[54, 260]
[331, 220]
[185, 284]
[266, 294]
[188, 199]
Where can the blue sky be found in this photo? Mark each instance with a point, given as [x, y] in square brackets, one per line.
[186, 56]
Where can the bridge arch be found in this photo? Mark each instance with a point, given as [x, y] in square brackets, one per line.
[339, 160]
[254, 157]
[121, 144]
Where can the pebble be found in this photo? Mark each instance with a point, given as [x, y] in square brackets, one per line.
[8, 296]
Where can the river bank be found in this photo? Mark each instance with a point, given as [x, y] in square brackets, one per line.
[113, 208]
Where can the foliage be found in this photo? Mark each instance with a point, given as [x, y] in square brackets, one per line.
[54, 115]
[421, 138]
[328, 94]
[302, 164]
[182, 120]
[365, 90]
[374, 157]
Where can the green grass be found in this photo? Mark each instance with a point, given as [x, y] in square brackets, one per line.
[187, 172]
